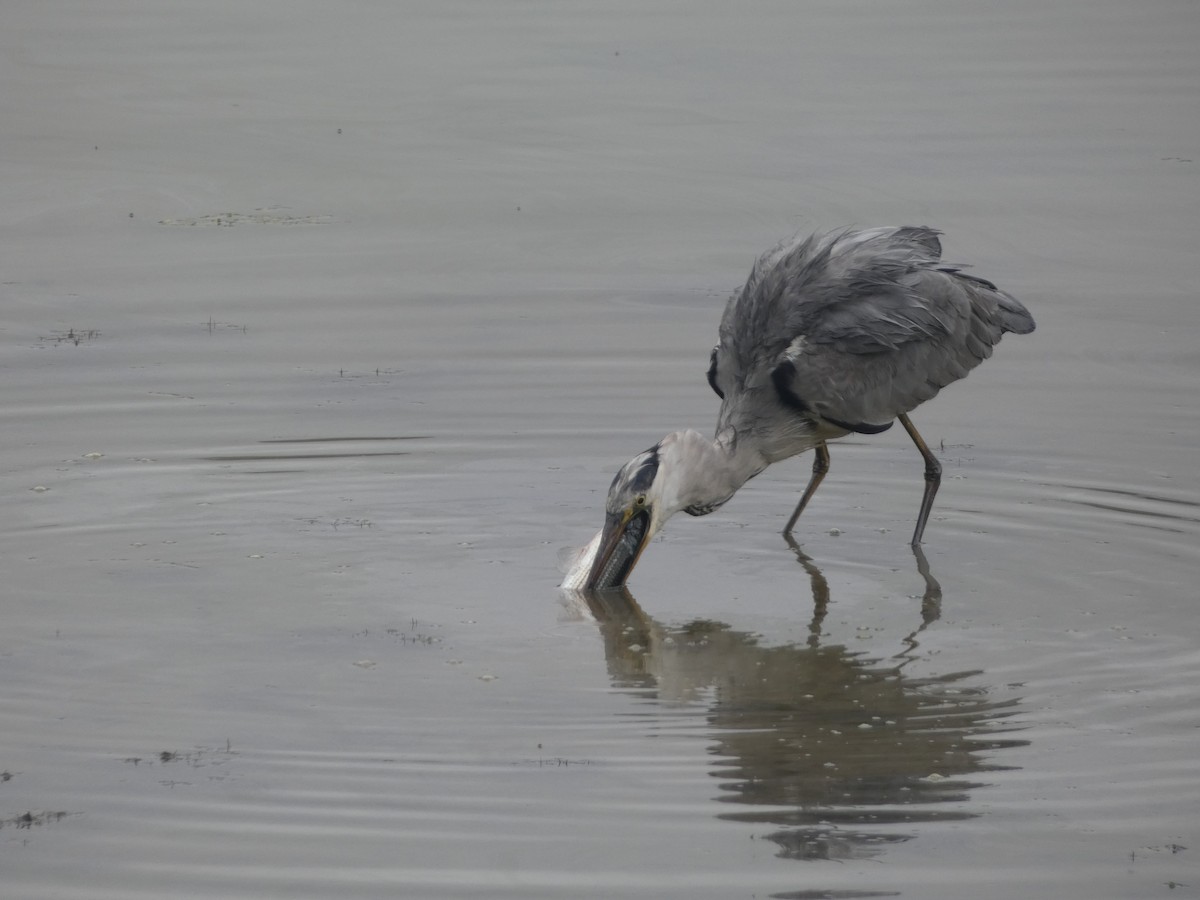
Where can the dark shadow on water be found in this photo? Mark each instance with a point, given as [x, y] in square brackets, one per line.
[837, 753]
[931, 600]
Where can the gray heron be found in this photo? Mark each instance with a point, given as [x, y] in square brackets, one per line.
[836, 334]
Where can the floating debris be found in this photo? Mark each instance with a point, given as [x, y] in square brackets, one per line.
[257, 217]
[70, 336]
[38, 817]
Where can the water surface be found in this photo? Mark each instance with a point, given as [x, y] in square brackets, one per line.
[325, 329]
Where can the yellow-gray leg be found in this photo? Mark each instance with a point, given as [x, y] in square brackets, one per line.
[933, 477]
[820, 467]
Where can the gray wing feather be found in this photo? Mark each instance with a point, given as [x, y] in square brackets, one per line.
[871, 322]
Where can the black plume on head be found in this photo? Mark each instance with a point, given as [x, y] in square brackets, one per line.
[640, 478]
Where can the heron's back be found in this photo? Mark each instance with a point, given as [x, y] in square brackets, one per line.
[854, 328]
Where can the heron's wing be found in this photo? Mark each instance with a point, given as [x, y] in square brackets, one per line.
[857, 327]
[881, 348]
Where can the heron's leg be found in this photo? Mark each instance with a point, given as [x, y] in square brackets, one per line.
[820, 467]
[933, 477]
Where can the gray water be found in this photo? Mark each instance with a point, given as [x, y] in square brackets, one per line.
[325, 327]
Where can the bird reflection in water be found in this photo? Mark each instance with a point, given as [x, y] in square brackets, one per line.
[840, 754]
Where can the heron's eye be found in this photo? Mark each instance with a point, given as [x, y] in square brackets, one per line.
[639, 501]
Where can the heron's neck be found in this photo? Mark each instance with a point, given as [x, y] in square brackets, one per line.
[743, 459]
[713, 470]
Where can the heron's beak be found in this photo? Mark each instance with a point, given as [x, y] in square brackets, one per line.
[622, 541]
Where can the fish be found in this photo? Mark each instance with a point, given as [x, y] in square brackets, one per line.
[620, 550]
[576, 564]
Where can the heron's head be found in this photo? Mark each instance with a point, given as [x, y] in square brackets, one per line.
[647, 491]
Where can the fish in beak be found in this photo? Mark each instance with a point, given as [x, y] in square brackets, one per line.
[631, 519]
[624, 537]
